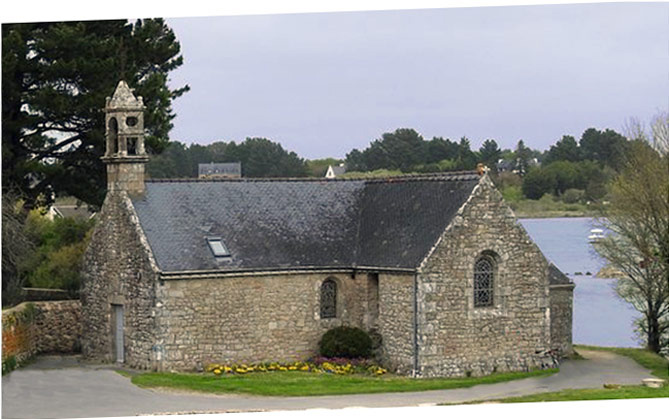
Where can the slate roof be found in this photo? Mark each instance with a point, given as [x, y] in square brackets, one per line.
[298, 223]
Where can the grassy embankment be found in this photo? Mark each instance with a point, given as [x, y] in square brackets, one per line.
[655, 363]
[297, 383]
[547, 207]
[528, 208]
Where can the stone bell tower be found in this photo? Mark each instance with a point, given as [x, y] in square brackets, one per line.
[125, 156]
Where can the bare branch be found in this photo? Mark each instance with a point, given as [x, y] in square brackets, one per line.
[49, 152]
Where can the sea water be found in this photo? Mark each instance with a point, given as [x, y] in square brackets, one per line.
[600, 317]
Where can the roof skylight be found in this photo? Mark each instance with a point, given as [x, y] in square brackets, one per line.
[217, 247]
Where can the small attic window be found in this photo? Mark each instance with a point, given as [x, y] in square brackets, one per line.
[217, 247]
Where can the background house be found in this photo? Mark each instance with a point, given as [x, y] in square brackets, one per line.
[334, 171]
[219, 170]
[68, 207]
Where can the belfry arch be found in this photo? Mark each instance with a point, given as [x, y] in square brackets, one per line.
[112, 137]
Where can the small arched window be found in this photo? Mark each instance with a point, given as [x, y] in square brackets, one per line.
[328, 299]
[484, 280]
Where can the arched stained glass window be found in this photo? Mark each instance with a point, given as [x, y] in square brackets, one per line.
[328, 299]
[484, 277]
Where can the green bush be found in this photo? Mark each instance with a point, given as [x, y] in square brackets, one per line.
[538, 182]
[9, 364]
[346, 342]
[572, 196]
[512, 193]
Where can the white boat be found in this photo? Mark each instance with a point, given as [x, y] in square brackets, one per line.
[596, 234]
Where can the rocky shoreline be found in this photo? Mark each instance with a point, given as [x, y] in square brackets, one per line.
[608, 272]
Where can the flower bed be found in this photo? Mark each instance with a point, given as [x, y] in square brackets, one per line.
[338, 366]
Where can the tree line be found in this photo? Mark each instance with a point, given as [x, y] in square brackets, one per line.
[260, 157]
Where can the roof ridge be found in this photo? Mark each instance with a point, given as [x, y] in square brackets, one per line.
[455, 175]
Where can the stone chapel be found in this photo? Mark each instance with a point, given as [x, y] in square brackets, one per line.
[182, 273]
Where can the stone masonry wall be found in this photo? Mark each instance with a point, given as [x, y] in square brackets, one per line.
[117, 269]
[561, 298]
[126, 176]
[457, 339]
[33, 328]
[396, 321]
[58, 326]
[250, 318]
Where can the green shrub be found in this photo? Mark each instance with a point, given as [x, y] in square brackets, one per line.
[572, 196]
[346, 342]
[9, 364]
[538, 182]
[512, 193]
[372, 174]
[506, 179]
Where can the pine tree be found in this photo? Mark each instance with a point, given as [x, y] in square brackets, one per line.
[55, 78]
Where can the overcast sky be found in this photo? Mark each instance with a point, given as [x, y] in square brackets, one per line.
[323, 84]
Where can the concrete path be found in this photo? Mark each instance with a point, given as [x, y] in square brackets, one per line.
[55, 387]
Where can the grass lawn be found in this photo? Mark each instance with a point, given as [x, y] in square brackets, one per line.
[297, 383]
[647, 359]
[625, 392]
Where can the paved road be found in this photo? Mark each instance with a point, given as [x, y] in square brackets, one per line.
[56, 387]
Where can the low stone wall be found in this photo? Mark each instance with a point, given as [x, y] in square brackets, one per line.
[58, 325]
[41, 327]
[18, 335]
